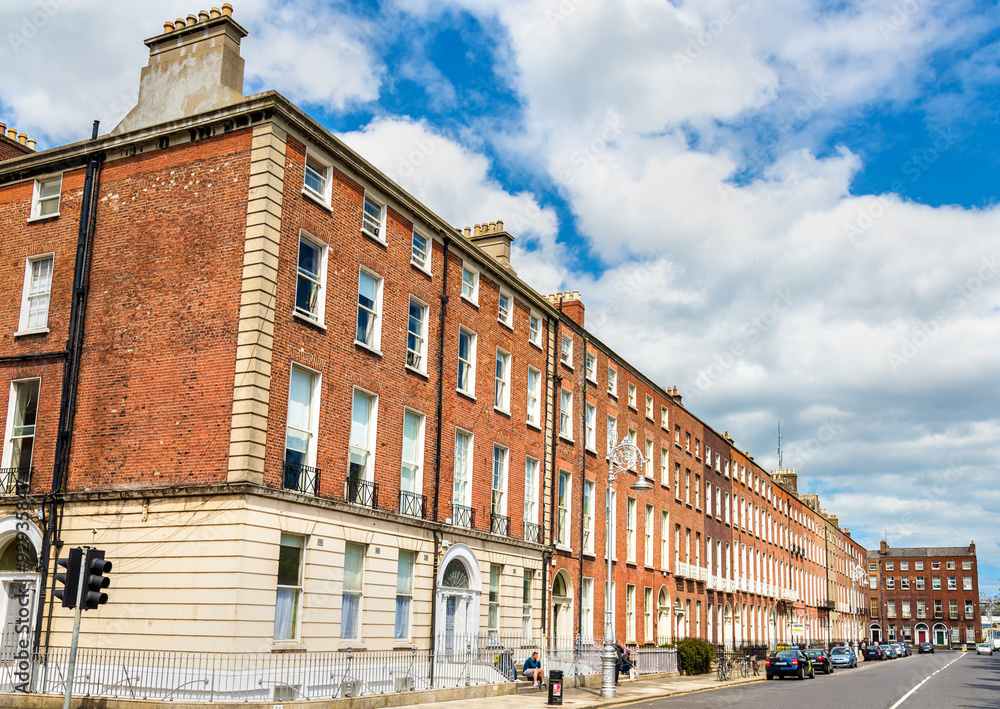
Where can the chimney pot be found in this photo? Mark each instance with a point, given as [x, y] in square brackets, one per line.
[216, 12]
[3, 128]
[493, 226]
[31, 144]
[203, 16]
[227, 10]
[179, 23]
[168, 26]
[22, 138]
[12, 133]
[499, 225]
[576, 295]
[467, 231]
[475, 230]
[192, 20]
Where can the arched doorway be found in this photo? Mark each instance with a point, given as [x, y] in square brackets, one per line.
[940, 634]
[921, 633]
[875, 633]
[562, 609]
[459, 590]
[18, 579]
[663, 617]
[727, 625]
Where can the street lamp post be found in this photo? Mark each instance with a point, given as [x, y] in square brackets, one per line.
[624, 455]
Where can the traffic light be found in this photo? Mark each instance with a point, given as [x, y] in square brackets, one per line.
[94, 580]
[71, 579]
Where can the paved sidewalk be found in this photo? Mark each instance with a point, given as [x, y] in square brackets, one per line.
[583, 697]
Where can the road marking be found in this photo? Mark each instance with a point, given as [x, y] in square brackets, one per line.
[907, 695]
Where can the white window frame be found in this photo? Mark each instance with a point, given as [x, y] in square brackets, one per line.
[531, 490]
[505, 318]
[591, 367]
[408, 596]
[501, 391]
[534, 398]
[631, 510]
[648, 614]
[469, 363]
[462, 470]
[664, 417]
[470, 293]
[498, 480]
[423, 262]
[535, 334]
[369, 467]
[613, 382]
[664, 538]
[323, 197]
[590, 427]
[376, 312]
[28, 295]
[563, 511]
[566, 351]
[632, 403]
[630, 612]
[360, 593]
[589, 491]
[367, 220]
[649, 407]
[664, 467]
[316, 317]
[566, 414]
[417, 360]
[296, 589]
[8, 438]
[37, 199]
[416, 465]
[587, 606]
[312, 429]
[611, 433]
[647, 550]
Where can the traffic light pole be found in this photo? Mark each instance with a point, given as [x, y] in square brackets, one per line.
[76, 633]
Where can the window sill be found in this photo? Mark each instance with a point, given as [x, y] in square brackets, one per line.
[613, 395]
[564, 437]
[633, 408]
[373, 350]
[35, 331]
[535, 344]
[567, 365]
[508, 325]
[319, 324]
[470, 301]
[468, 395]
[563, 547]
[317, 198]
[503, 412]
[287, 646]
[589, 554]
[427, 272]
[43, 218]
[414, 370]
[532, 424]
[592, 380]
[372, 237]
[351, 645]
[590, 449]
[403, 645]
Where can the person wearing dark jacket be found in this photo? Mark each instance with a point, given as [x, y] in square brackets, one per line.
[622, 663]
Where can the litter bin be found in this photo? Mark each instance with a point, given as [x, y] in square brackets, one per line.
[555, 687]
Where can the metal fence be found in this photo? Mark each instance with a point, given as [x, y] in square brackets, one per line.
[486, 658]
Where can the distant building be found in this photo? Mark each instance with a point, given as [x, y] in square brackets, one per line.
[924, 594]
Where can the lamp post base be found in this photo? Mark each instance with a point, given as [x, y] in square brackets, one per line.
[608, 659]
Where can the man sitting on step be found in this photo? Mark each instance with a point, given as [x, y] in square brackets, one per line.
[533, 670]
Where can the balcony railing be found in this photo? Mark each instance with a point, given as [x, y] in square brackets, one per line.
[499, 524]
[462, 516]
[411, 503]
[15, 481]
[301, 478]
[531, 532]
[362, 492]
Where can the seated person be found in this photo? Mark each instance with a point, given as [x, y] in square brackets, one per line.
[533, 670]
[623, 662]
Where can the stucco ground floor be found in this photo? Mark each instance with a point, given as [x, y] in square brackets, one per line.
[237, 568]
[940, 632]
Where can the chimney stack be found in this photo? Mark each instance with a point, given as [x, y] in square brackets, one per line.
[491, 238]
[194, 66]
[787, 478]
[883, 548]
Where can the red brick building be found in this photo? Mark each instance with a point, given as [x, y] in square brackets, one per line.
[924, 594]
[238, 354]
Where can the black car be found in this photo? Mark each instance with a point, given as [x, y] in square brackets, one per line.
[874, 652]
[820, 660]
[925, 647]
[793, 662]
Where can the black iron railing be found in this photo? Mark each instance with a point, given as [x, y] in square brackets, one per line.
[499, 524]
[302, 478]
[411, 503]
[362, 492]
[462, 516]
[15, 481]
[531, 531]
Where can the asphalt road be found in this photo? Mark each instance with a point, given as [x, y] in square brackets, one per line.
[944, 680]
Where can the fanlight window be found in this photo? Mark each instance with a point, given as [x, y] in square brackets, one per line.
[455, 575]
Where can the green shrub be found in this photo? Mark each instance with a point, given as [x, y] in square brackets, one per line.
[695, 656]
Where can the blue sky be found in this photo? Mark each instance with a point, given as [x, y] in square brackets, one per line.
[786, 209]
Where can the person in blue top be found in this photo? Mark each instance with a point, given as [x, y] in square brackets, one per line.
[533, 670]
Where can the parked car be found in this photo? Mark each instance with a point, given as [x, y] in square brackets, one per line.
[890, 654]
[874, 652]
[820, 660]
[925, 647]
[793, 663]
[899, 649]
[843, 656]
[984, 649]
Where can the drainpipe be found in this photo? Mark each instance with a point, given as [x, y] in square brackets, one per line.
[554, 355]
[437, 453]
[71, 377]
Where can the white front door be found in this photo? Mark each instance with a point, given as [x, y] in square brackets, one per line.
[18, 612]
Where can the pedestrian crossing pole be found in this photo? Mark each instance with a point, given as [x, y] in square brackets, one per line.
[76, 629]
